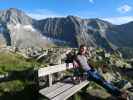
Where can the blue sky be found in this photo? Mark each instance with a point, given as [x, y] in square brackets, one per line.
[115, 11]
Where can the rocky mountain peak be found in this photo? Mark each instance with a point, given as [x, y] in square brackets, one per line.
[15, 16]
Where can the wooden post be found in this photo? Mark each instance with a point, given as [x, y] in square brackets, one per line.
[76, 96]
[50, 79]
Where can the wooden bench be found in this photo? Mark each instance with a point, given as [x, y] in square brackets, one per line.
[60, 90]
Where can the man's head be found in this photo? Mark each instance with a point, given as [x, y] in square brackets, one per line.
[82, 49]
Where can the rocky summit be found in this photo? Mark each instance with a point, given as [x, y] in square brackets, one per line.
[19, 30]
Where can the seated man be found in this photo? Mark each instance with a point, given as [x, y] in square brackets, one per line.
[92, 75]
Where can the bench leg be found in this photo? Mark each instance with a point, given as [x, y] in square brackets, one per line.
[85, 88]
[76, 97]
[50, 80]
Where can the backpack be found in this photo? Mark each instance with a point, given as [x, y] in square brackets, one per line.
[70, 57]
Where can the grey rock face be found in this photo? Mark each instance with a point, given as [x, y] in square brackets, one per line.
[121, 35]
[15, 16]
[94, 32]
[75, 30]
[19, 30]
[4, 35]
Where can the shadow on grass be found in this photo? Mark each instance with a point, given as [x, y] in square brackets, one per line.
[29, 93]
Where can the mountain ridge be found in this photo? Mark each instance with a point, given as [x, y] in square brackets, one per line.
[71, 29]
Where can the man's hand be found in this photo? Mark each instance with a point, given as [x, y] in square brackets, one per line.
[75, 64]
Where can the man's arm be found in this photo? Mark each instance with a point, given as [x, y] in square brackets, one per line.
[75, 64]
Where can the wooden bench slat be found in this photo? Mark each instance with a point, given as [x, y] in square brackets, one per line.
[47, 90]
[59, 91]
[65, 95]
[53, 69]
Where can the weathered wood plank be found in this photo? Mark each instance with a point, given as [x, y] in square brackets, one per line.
[59, 91]
[47, 90]
[53, 69]
[65, 95]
